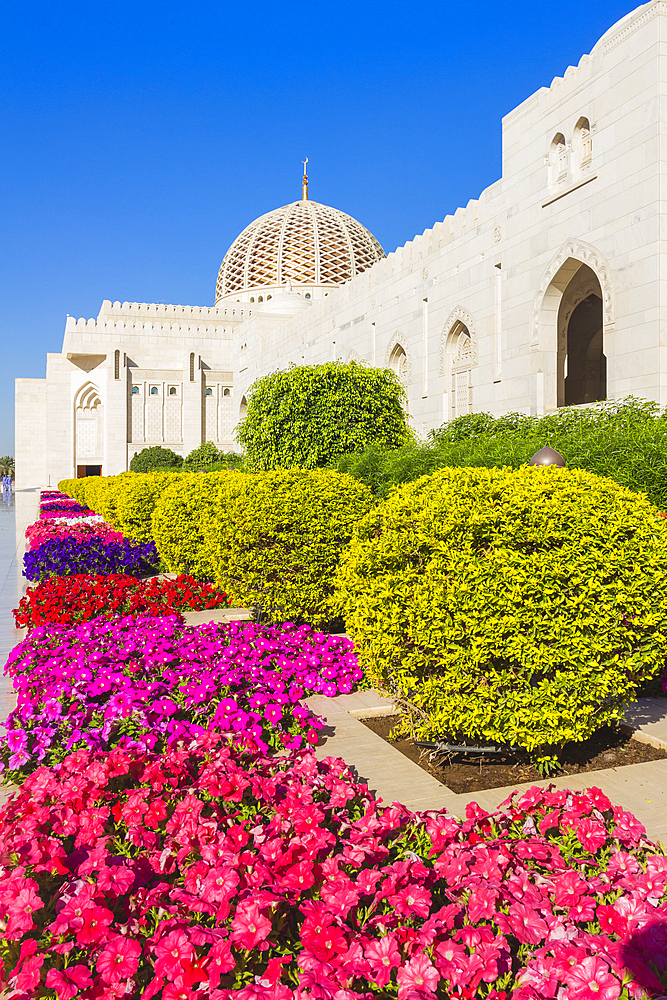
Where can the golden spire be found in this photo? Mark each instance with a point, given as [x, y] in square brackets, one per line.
[305, 180]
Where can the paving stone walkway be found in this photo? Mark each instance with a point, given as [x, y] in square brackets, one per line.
[640, 788]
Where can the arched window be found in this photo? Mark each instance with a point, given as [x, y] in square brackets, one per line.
[172, 390]
[226, 392]
[135, 390]
[209, 392]
[558, 158]
[252, 298]
[260, 298]
[461, 361]
[398, 360]
[307, 295]
[582, 134]
[242, 408]
[154, 391]
[268, 297]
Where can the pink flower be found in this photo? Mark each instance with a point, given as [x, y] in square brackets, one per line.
[591, 834]
[418, 975]
[20, 910]
[119, 960]
[68, 983]
[96, 919]
[482, 903]
[382, 956]
[592, 980]
[218, 961]
[526, 924]
[569, 888]
[172, 952]
[411, 901]
[249, 927]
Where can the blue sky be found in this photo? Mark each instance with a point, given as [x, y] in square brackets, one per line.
[137, 140]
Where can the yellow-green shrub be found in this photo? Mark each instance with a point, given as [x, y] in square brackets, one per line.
[180, 518]
[69, 487]
[102, 494]
[277, 541]
[134, 500]
[523, 606]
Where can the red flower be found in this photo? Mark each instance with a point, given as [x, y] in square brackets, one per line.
[96, 919]
[172, 953]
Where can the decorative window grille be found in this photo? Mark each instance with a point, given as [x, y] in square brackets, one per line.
[192, 367]
[583, 133]
[461, 374]
[116, 365]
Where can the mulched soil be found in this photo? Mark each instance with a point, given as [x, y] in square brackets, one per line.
[607, 748]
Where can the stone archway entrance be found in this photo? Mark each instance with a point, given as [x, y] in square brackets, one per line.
[581, 362]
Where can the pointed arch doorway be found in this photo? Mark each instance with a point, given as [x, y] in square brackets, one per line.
[581, 361]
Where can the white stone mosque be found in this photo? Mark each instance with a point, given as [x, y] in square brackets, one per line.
[547, 291]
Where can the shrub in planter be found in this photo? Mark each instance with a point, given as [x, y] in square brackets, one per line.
[135, 503]
[520, 606]
[202, 457]
[276, 543]
[180, 518]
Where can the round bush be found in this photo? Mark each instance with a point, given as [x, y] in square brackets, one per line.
[305, 417]
[180, 517]
[154, 459]
[521, 606]
[276, 543]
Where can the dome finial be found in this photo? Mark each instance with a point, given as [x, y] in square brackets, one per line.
[305, 180]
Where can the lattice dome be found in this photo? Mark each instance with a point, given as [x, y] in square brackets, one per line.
[305, 243]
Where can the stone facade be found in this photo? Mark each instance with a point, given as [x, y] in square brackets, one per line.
[546, 291]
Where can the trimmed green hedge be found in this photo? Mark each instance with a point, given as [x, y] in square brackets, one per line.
[520, 606]
[180, 519]
[276, 541]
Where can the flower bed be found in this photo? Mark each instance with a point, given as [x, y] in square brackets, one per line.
[151, 683]
[72, 599]
[53, 529]
[67, 556]
[206, 875]
[163, 853]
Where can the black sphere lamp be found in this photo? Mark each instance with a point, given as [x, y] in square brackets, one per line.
[548, 456]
